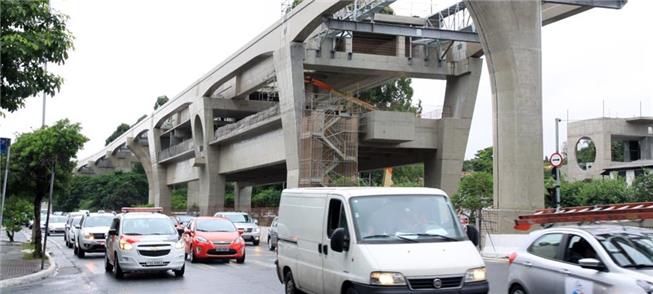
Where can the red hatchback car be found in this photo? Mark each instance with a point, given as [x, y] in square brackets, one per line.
[213, 238]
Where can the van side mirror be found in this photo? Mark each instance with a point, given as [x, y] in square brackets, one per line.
[113, 232]
[339, 240]
[591, 263]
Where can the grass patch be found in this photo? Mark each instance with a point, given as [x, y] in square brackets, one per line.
[28, 250]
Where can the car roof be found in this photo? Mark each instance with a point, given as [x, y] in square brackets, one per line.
[599, 229]
[364, 191]
[231, 212]
[211, 217]
[143, 215]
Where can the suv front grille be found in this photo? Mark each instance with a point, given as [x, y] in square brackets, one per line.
[154, 253]
[249, 230]
[449, 282]
[99, 236]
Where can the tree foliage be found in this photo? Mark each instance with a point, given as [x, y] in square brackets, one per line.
[31, 37]
[163, 99]
[474, 192]
[109, 192]
[395, 95]
[121, 129]
[32, 158]
[482, 161]
[17, 212]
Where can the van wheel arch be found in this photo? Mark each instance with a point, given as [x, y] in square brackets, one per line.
[346, 286]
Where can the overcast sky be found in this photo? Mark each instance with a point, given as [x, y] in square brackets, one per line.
[129, 52]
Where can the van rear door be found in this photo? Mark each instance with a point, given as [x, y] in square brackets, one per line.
[336, 264]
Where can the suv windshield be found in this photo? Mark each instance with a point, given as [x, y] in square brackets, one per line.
[98, 221]
[238, 217]
[148, 226]
[628, 249]
[404, 218]
[214, 225]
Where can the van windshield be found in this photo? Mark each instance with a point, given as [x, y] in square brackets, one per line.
[404, 218]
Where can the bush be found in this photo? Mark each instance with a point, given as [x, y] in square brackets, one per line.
[17, 212]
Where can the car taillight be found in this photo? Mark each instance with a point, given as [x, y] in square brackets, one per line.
[511, 258]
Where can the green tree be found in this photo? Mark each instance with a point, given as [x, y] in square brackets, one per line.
[163, 99]
[395, 95]
[474, 193]
[31, 36]
[109, 191]
[482, 161]
[17, 212]
[33, 156]
[411, 175]
[121, 129]
[179, 198]
[643, 187]
[266, 196]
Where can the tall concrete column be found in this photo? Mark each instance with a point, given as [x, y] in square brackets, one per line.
[289, 67]
[143, 155]
[242, 197]
[510, 33]
[162, 192]
[443, 169]
[211, 183]
[192, 198]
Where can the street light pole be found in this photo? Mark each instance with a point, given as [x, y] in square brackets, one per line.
[557, 168]
[47, 217]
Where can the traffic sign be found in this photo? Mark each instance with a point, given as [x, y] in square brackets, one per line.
[4, 145]
[556, 159]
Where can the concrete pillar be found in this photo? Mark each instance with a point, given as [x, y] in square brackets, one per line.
[162, 192]
[289, 67]
[211, 183]
[510, 33]
[242, 197]
[444, 168]
[143, 155]
[192, 200]
[401, 46]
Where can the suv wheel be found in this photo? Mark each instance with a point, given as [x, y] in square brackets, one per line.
[117, 271]
[180, 273]
[80, 252]
[270, 246]
[107, 265]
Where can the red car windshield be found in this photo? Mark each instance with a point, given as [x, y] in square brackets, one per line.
[214, 225]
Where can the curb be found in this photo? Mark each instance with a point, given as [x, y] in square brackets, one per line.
[37, 276]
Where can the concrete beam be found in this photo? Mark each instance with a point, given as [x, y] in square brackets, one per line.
[244, 106]
[400, 30]
[612, 4]
[371, 64]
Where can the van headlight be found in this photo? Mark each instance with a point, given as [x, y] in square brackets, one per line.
[387, 279]
[475, 275]
[646, 285]
[179, 244]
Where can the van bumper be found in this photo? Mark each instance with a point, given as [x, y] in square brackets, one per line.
[469, 288]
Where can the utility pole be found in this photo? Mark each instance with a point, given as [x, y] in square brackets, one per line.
[557, 168]
[47, 217]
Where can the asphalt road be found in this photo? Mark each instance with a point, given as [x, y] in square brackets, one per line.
[256, 275]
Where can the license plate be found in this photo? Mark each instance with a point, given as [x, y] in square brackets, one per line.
[154, 262]
[222, 249]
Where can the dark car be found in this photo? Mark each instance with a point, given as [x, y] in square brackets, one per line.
[273, 235]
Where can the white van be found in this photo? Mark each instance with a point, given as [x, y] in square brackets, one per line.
[374, 240]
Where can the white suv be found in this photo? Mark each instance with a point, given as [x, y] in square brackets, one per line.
[91, 232]
[244, 223]
[143, 242]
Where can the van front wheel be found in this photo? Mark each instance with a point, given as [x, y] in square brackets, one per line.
[290, 284]
[351, 290]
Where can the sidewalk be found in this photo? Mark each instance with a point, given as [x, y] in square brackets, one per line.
[12, 264]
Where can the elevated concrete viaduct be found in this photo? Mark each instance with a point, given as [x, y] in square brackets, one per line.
[244, 120]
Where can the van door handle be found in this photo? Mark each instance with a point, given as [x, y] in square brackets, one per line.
[319, 248]
[325, 250]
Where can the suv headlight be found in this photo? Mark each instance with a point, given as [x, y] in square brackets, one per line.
[387, 279]
[180, 244]
[88, 236]
[255, 230]
[475, 275]
[124, 245]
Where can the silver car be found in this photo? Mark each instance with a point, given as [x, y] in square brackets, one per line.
[584, 259]
[71, 231]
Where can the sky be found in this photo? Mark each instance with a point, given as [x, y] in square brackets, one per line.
[129, 52]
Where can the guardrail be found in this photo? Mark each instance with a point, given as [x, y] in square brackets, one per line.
[177, 149]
